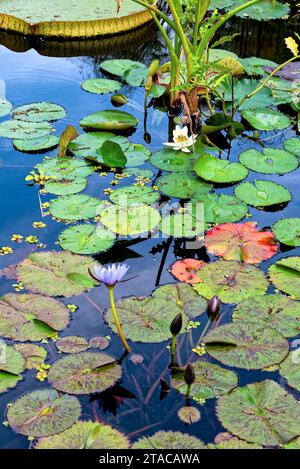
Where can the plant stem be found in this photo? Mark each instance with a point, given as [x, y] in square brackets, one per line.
[173, 348]
[155, 10]
[188, 391]
[114, 312]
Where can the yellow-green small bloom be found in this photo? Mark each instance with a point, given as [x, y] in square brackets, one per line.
[38, 224]
[31, 239]
[72, 308]
[17, 238]
[6, 250]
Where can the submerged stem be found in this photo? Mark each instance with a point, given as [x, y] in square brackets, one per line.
[115, 316]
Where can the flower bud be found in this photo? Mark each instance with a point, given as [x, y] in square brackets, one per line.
[213, 307]
[176, 325]
[189, 374]
[147, 138]
[119, 100]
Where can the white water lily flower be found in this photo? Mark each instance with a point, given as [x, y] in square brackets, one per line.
[181, 139]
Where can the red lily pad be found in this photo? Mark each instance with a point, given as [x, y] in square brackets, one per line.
[187, 270]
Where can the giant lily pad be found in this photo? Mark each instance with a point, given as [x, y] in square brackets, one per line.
[39, 112]
[34, 354]
[87, 144]
[241, 242]
[72, 344]
[261, 193]
[130, 220]
[148, 319]
[109, 120]
[182, 185]
[36, 144]
[262, 413]
[85, 435]
[210, 381]
[213, 169]
[172, 160]
[266, 119]
[31, 317]
[75, 207]
[277, 311]
[24, 130]
[12, 364]
[285, 275]
[66, 168]
[246, 345]
[66, 186]
[5, 107]
[290, 370]
[293, 145]
[100, 85]
[221, 208]
[56, 273]
[271, 161]
[263, 10]
[86, 239]
[231, 281]
[43, 412]
[168, 440]
[84, 373]
[287, 231]
[134, 196]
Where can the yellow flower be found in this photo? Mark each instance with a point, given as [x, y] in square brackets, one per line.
[103, 173]
[72, 308]
[38, 224]
[43, 191]
[18, 286]
[199, 350]
[6, 250]
[114, 183]
[108, 191]
[46, 205]
[31, 239]
[17, 238]
[292, 45]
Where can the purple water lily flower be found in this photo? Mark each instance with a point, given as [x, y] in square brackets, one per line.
[110, 275]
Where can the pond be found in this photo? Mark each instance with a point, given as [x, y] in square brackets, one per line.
[136, 402]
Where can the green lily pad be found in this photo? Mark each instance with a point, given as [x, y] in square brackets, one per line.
[100, 86]
[262, 413]
[12, 364]
[134, 196]
[227, 441]
[55, 273]
[263, 10]
[130, 220]
[24, 130]
[277, 311]
[118, 67]
[84, 373]
[108, 120]
[5, 107]
[34, 354]
[183, 225]
[85, 435]
[261, 193]
[66, 168]
[221, 208]
[72, 344]
[136, 75]
[246, 345]
[149, 319]
[266, 119]
[169, 440]
[31, 317]
[75, 207]
[66, 186]
[254, 66]
[287, 231]
[271, 161]
[231, 281]
[220, 171]
[290, 370]
[172, 160]
[210, 381]
[293, 444]
[285, 275]
[182, 185]
[189, 414]
[243, 88]
[293, 145]
[36, 144]
[136, 155]
[43, 412]
[139, 172]
[86, 239]
[87, 144]
[39, 112]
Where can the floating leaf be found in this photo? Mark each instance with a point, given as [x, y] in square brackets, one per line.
[228, 441]
[172, 160]
[130, 220]
[99, 342]
[84, 373]
[210, 381]
[231, 281]
[271, 161]
[49, 273]
[66, 186]
[290, 370]
[100, 86]
[72, 344]
[134, 196]
[39, 112]
[261, 193]
[241, 242]
[182, 185]
[287, 231]
[168, 440]
[221, 171]
[108, 120]
[34, 354]
[221, 208]
[187, 270]
[263, 10]
[277, 311]
[36, 144]
[246, 345]
[293, 145]
[293, 444]
[87, 144]
[139, 172]
[43, 412]
[66, 168]
[255, 65]
[75, 207]
[189, 414]
[119, 67]
[31, 317]
[5, 107]
[245, 87]
[182, 225]
[24, 130]
[262, 413]
[136, 75]
[266, 119]
[86, 239]
[148, 319]
[12, 364]
[285, 275]
[112, 155]
[136, 155]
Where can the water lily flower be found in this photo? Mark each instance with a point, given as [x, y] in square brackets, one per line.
[213, 307]
[181, 139]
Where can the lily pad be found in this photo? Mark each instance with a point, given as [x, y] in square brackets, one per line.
[5, 107]
[36, 144]
[43, 412]
[285, 275]
[189, 414]
[66, 186]
[182, 185]
[182, 225]
[210, 381]
[34, 354]
[169, 440]
[85, 435]
[55, 273]
[72, 344]
[31, 317]
[187, 270]
[39, 112]
[139, 172]
[108, 120]
[287, 231]
[245, 87]
[119, 67]
[172, 160]
[86, 239]
[75, 207]
[220, 171]
[255, 65]
[227, 441]
[12, 364]
[262, 193]
[24, 130]
[246, 345]
[136, 155]
[266, 119]
[231, 281]
[221, 208]
[133, 196]
[293, 444]
[84, 373]
[149, 319]
[100, 86]
[66, 168]
[263, 10]
[293, 145]
[271, 161]
[87, 144]
[277, 311]
[130, 220]
[262, 413]
[99, 342]
[290, 370]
